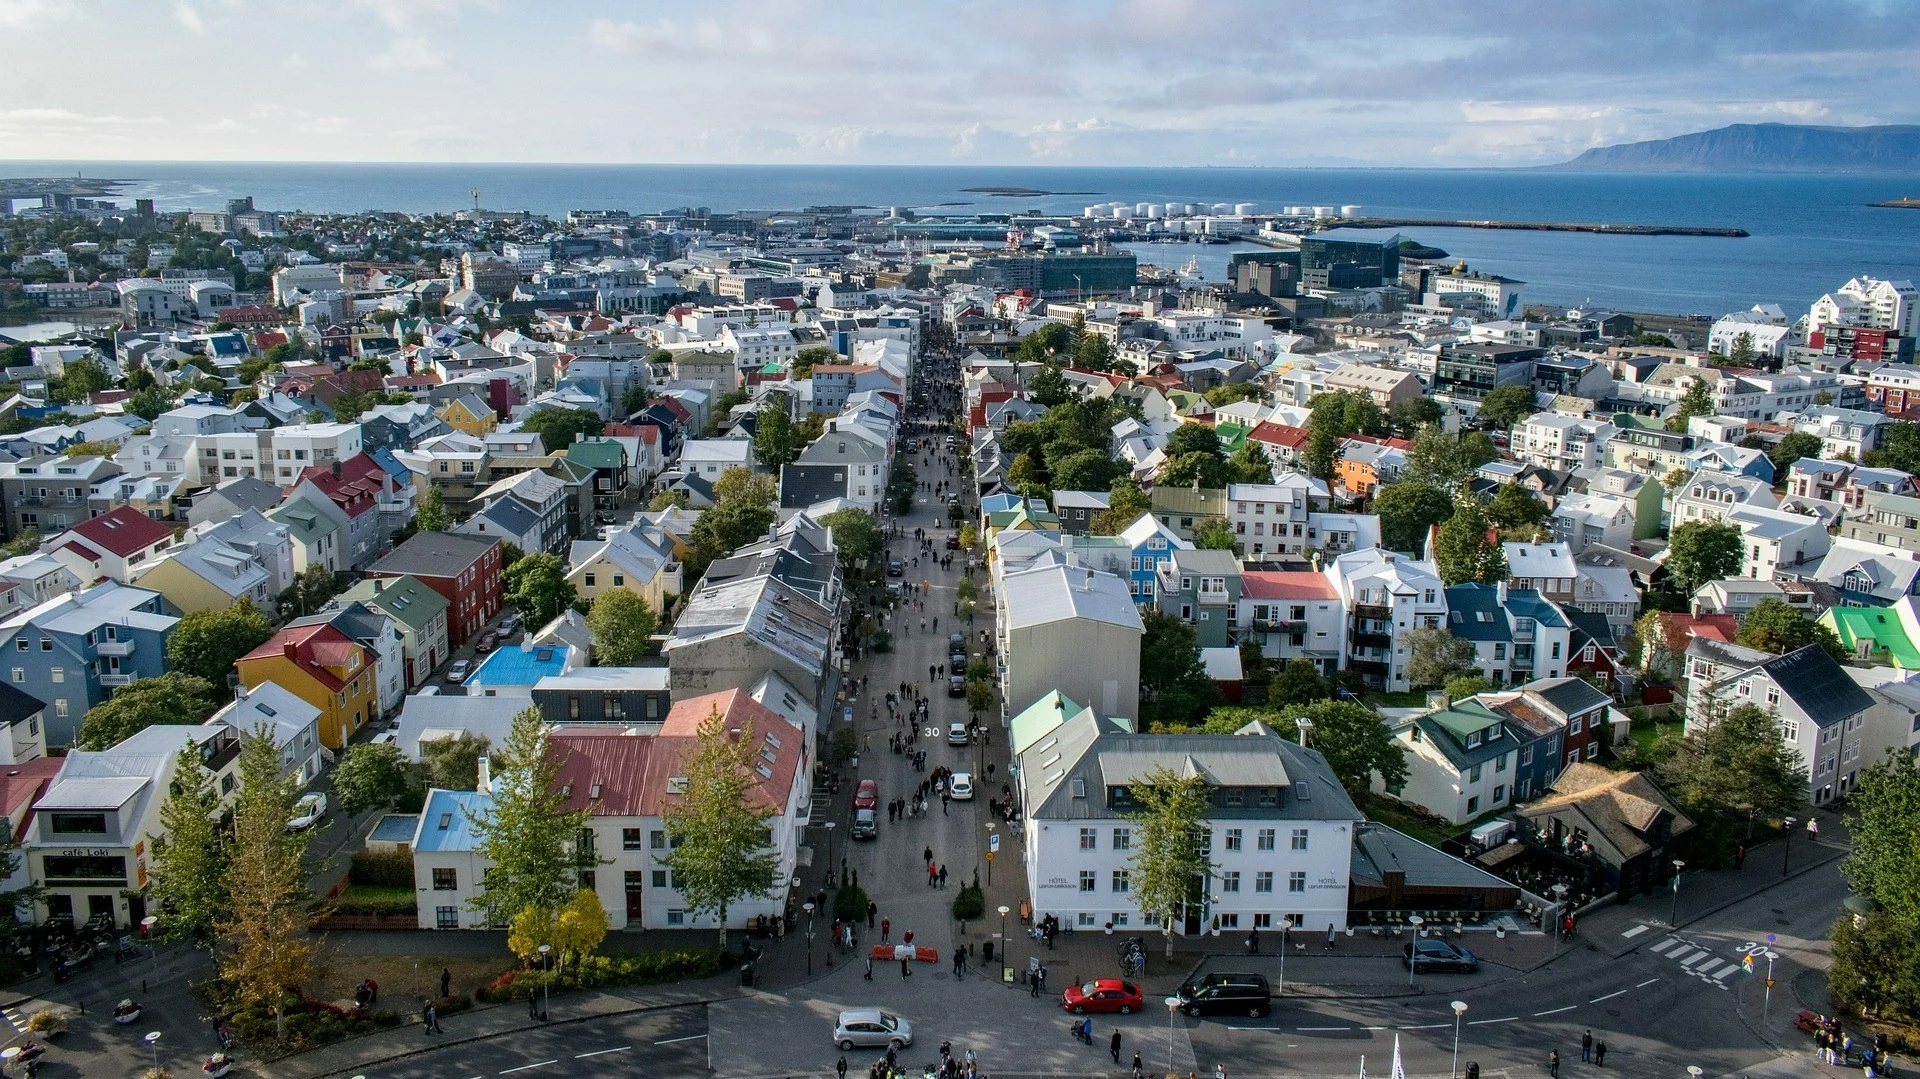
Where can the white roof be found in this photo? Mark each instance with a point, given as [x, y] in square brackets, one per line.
[1539, 560]
[1057, 593]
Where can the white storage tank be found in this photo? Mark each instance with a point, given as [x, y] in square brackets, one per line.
[1123, 213]
[1350, 210]
[1155, 213]
[1243, 209]
[1140, 208]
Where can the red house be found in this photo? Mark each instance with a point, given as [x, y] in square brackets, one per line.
[465, 569]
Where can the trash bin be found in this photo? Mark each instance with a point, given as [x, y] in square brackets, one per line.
[986, 952]
[746, 974]
[1473, 1069]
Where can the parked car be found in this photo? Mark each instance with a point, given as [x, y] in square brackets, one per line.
[1102, 995]
[1226, 993]
[953, 542]
[871, 1028]
[1431, 953]
[957, 734]
[894, 568]
[960, 786]
[508, 625]
[459, 671]
[488, 642]
[956, 685]
[867, 795]
[307, 812]
[866, 824]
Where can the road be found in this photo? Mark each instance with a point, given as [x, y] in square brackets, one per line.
[670, 1042]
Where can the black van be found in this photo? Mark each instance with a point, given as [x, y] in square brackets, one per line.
[1223, 993]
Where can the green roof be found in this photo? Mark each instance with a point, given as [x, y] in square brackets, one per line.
[1879, 625]
[1189, 501]
[1464, 718]
[404, 599]
[1232, 436]
[598, 453]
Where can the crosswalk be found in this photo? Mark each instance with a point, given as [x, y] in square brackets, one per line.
[16, 1017]
[1700, 962]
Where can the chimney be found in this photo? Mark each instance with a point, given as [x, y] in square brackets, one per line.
[485, 784]
[336, 469]
[290, 650]
[379, 585]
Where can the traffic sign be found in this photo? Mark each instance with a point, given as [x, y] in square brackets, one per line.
[993, 843]
[1769, 983]
[989, 856]
[1772, 939]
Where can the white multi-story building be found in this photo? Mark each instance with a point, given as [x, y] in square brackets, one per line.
[1710, 494]
[300, 446]
[1386, 596]
[1551, 440]
[1764, 325]
[1869, 302]
[757, 346]
[1777, 539]
[1278, 835]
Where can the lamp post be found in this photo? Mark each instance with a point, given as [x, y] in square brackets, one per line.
[1414, 922]
[1213, 923]
[1673, 916]
[152, 1039]
[147, 927]
[1173, 1009]
[1766, 1003]
[1459, 1010]
[1559, 911]
[1786, 843]
[546, 978]
[1003, 942]
[1286, 933]
[808, 907]
[830, 861]
[990, 827]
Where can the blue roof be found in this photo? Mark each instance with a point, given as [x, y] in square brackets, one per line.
[1475, 613]
[999, 503]
[517, 666]
[390, 464]
[446, 824]
[227, 344]
[394, 828]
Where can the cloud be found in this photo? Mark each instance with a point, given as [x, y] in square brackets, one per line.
[18, 13]
[698, 37]
[408, 54]
[408, 15]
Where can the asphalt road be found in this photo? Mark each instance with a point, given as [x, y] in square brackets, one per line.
[672, 1042]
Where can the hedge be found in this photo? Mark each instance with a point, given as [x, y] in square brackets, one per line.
[368, 899]
[382, 869]
[607, 971]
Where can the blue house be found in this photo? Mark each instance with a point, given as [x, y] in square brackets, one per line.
[74, 650]
[1734, 460]
[513, 670]
[1518, 634]
[1149, 543]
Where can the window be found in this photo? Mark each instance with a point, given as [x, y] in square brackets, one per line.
[1123, 839]
[1088, 879]
[1526, 756]
[1089, 839]
[446, 917]
[1263, 840]
[1263, 881]
[1499, 793]
[657, 840]
[1299, 841]
[1593, 750]
[1473, 805]
[1499, 764]
[1473, 774]
[1123, 880]
[1230, 881]
[676, 917]
[1263, 921]
[1297, 881]
[446, 880]
[1773, 696]
[588, 580]
[630, 839]
[1120, 918]
[79, 823]
[660, 878]
[1233, 839]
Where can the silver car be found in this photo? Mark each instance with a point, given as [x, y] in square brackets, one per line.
[871, 1028]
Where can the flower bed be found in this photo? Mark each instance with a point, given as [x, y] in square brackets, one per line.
[604, 971]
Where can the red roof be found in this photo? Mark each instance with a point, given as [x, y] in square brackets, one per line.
[354, 489]
[318, 649]
[21, 785]
[1682, 627]
[123, 531]
[1396, 443]
[1278, 434]
[1286, 584]
[631, 771]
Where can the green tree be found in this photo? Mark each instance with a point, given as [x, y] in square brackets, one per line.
[1884, 822]
[1027, 474]
[453, 764]
[432, 514]
[27, 542]
[1094, 353]
[667, 500]
[1772, 626]
[634, 399]
[1406, 510]
[311, 589]
[1444, 458]
[776, 441]
[1125, 503]
[717, 826]
[149, 403]
[1697, 401]
[1793, 447]
[857, 536]
[266, 943]
[559, 427]
[80, 379]
[1699, 552]
[1730, 772]
[1220, 396]
[189, 855]
[1505, 406]
[1356, 743]
[1410, 415]
[1172, 678]
[1213, 534]
[1046, 344]
[373, 775]
[206, 644]
[352, 404]
[1466, 685]
[1297, 682]
[806, 358]
[1168, 862]
[1462, 550]
[1899, 448]
[1320, 452]
[1434, 656]
[1048, 387]
[171, 698]
[1195, 438]
[622, 625]
[1516, 511]
[1741, 352]
[538, 588]
[1086, 470]
[1250, 464]
[1876, 967]
[1196, 470]
[526, 833]
[979, 695]
[745, 486]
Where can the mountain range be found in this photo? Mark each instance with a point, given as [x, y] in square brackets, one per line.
[1763, 148]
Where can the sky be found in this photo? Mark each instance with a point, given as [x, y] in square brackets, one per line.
[1082, 82]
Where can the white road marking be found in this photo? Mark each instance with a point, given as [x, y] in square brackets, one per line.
[1323, 1028]
[1685, 954]
[1274, 1029]
[1609, 996]
[1484, 1022]
[1662, 947]
[524, 1067]
[1702, 961]
[1426, 1026]
[1636, 931]
[1646, 983]
[1726, 970]
[600, 1052]
[1376, 1028]
[1554, 1011]
[688, 1038]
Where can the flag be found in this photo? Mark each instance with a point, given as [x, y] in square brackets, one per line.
[1399, 1072]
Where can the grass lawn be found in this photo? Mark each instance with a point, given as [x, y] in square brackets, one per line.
[1401, 819]
[1411, 698]
[1645, 736]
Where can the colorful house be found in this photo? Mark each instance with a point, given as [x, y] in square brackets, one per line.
[324, 667]
[468, 414]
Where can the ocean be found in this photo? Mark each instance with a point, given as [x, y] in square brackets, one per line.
[1810, 233]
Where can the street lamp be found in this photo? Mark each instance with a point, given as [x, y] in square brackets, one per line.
[153, 1042]
[1459, 1010]
[1286, 933]
[1214, 922]
[1767, 1003]
[1414, 922]
[990, 827]
[1305, 724]
[148, 925]
[830, 862]
[808, 907]
[1786, 846]
[1173, 1009]
[1003, 942]
[1673, 916]
[546, 979]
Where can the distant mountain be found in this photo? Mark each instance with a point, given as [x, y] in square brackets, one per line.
[1763, 148]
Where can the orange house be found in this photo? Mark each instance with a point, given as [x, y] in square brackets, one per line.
[324, 667]
[1366, 463]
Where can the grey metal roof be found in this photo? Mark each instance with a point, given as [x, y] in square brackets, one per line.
[1818, 684]
[1379, 850]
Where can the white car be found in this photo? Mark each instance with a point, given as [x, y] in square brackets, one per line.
[871, 1028]
[957, 734]
[459, 671]
[960, 786]
[307, 812]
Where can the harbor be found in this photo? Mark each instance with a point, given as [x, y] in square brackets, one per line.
[1541, 226]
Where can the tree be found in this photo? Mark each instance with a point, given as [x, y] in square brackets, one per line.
[1699, 552]
[743, 485]
[1168, 862]
[1435, 655]
[1250, 464]
[1048, 387]
[92, 449]
[80, 379]
[526, 833]
[1086, 470]
[1884, 821]
[1321, 450]
[538, 588]
[559, 427]
[532, 927]
[1516, 511]
[311, 589]
[1213, 534]
[1027, 474]
[969, 537]
[776, 441]
[1444, 458]
[1196, 470]
[717, 826]
[579, 927]
[856, 534]
[206, 644]
[1466, 685]
[1298, 682]
[1125, 503]
[1505, 406]
[721, 529]
[667, 500]
[1095, 353]
[1731, 771]
[149, 403]
[979, 695]
[804, 360]
[267, 945]
[1046, 344]
[1232, 392]
[1793, 447]
[1356, 743]
[1462, 550]
[171, 698]
[27, 542]
[1741, 352]
[189, 855]
[350, 405]
[622, 625]
[432, 514]
[1410, 415]
[1172, 677]
[1195, 438]
[1407, 510]
[1697, 401]
[1772, 626]
[373, 775]
[453, 764]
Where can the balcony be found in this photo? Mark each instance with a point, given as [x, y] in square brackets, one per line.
[117, 679]
[1214, 597]
[1373, 640]
[28, 500]
[1372, 610]
[121, 649]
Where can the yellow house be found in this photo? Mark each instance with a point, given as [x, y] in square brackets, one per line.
[623, 560]
[324, 667]
[206, 585]
[469, 415]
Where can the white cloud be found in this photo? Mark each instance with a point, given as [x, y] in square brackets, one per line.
[189, 17]
[408, 54]
[18, 13]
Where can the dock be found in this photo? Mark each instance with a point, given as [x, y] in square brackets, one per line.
[1536, 226]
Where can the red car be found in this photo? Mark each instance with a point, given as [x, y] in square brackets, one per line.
[867, 795]
[1102, 995]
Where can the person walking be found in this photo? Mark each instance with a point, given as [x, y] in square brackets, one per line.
[533, 1005]
[1600, 1054]
[886, 930]
[446, 982]
[840, 1069]
[1138, 1071]
[1553, 1064]
[944, 797]
[906, 970]
[943, 875]
[1113, 1046]
[1586, 1047]
[927, 855]
[433, 1018]
[1739, 855]
[869, 975]
[933, 874]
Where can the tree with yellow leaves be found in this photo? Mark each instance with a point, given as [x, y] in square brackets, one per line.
[266, 949]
